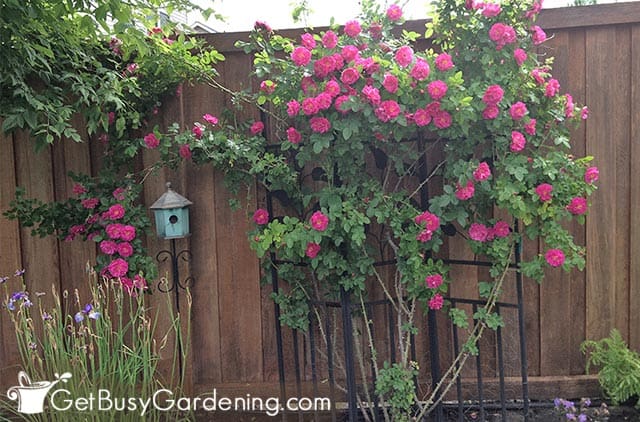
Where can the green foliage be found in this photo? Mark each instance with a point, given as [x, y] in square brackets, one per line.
[64, 58]
[396, 385]
[618, 366]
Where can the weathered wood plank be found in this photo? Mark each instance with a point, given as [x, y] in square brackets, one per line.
[634, 205]
[601, 242]
[238, 269]
[10, 257]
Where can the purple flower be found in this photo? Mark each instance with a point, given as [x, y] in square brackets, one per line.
[78, 317]
[3, 279]
[33, 346]
[18, 296]
[18, 273]
[10, 305]
[582, 417]
[46, 316]
[88, 308]
[94, 315]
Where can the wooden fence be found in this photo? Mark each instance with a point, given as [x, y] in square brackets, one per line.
[597, 60]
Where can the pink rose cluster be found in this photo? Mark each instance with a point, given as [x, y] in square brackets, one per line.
[107, 228]
[429, 223]
[482, 233]
[339, 78]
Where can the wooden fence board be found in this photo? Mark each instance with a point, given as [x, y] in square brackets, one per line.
[601, 242]
[634, 205]
[10, 259]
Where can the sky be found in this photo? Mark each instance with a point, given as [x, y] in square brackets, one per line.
[242, 14]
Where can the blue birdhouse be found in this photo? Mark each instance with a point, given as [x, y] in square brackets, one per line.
[172, 215]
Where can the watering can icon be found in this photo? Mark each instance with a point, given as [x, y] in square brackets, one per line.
[31, 395]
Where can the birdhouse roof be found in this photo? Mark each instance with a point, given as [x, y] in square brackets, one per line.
[170, 200]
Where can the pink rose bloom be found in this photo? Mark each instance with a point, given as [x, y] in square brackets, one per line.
[329, 39]
[538, 35]
[443, 62]
[212, 120]
[261, 216]
[293, 135]
[569, 107]
[90, 203]
[352, 28]
[404, 56]
[466, 192]
[442, 119]
[308, 41]
[349, 76]
[125, 249]
[584, 113]
[185, 151]
[112, 117]
[323, 101]
[319, 221]
[126, 232]
[332, 88]
[387, 110]
[118, 267]
[338, 104]
[591, 175]
[371, 94]
[197, 131]
[301, 56]
[535, 9]
[518, 110]
[312, 250]
[119, 194]
[115, 212]
[482, 172]
[394, 12]
[518, 141]
[114, 231]
[424, 236]
[323, 66]
[493, 95]
[320, 124]
[530, 127]
[421, 117]
[293, 108]
[520, 55]
[554, 257]
[420, 71]
[93, 219]
[433, 281]
[151, 141]
[551, 88]
[544, 191]
[429, 220]
[537, 74]
[307, 84]
[437, 89]
[478, 232]
[490, 112]
[78, 189]
[349, 53]
[436, 302]
[502, 35]
[256, 127]
[390, 83]
[501, 229]
[108, 247]
[268, 87]
[310, 106]
[577, 206]
[77, 229]
[491, 10]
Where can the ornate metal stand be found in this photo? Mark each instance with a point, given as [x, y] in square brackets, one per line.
[175, 284]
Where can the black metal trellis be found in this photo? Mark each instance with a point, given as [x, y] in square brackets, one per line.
[346, 314]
